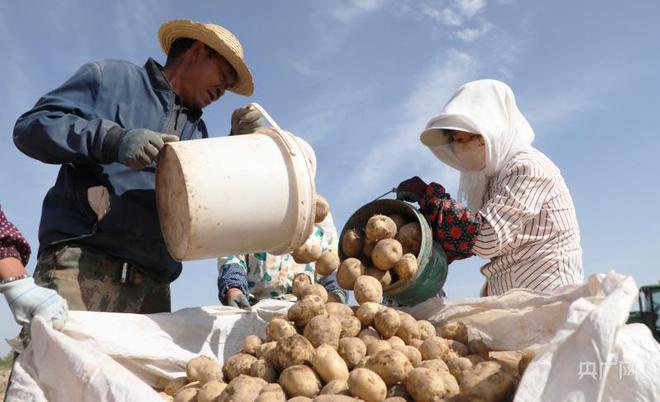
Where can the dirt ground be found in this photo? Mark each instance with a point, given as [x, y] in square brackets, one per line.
[4, 377]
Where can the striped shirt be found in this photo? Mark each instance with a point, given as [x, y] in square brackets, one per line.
[530, 231]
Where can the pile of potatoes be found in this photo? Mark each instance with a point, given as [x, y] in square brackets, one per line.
[382, 253]
[330, 352]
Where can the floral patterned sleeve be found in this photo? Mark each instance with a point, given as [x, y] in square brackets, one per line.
[454, 227]
[12, 243]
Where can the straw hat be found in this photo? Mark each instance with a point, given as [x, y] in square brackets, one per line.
[218, 39]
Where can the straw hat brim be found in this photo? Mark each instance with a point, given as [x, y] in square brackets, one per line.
[218, 39]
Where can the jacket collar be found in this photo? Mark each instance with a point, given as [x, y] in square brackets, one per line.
[160, 83]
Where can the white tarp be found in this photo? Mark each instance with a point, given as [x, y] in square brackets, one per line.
[591, 355]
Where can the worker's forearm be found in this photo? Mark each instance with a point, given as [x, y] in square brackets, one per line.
[11, 267]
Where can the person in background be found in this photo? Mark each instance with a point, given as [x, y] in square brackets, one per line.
[101, 246]
[26, 300]
[246, 279]
[519, 214]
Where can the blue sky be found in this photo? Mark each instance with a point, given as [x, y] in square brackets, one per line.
[359, 79]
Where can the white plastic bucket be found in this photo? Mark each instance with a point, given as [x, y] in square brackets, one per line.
[236, 195]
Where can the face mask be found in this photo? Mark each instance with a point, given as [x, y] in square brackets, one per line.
[471, 155]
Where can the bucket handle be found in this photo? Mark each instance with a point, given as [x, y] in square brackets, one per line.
[393, 190]
[274, 124]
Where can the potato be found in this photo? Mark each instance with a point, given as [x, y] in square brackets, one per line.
[300, 380]
[489, 380]
[463, 398]
[364, 383]
[376, 346]
[350, 327]
[352, 243]
[186, 395]
[384, 277]
[369, 335]
[323, 329]
[238, 364]
[339, 310]
[178, 383]
[305, 309]
[399, 220]
[329, 364]
[409, 329]
[349, 270]
[391, 365]
[368, 248]
[434, 347]
[279, 328]
[292, 351]
[212, 371]
[315, 289]
[367, 312]
[352, 350]
[426, 329]
[265, 370]
[242, 389]
[410, 237]
[478, 347]
[387, 322]
[210, 391]
[434, 364]
[406, 268]
[299, 399]
[322, 208]
[251, 345]
[528, 354]
[267, 349]
[271, 393]
[395, 341]
[414, 355]
[474, 359]
[195, 365]
[300, 281]
[380, 227]
[367, 289]
[426, 385]
[306, 253]
[455, 330]
[416, 343]
[458, 365]
[336, 387]
[386, 254]
[327, 263]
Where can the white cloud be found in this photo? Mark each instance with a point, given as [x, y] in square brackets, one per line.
[447, 16]
[472, 34]
[349, 10]
[470, 8]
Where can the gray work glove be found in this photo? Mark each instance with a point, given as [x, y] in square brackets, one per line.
[27, 300]
[245, 120]
[139, 147]
[240, 301]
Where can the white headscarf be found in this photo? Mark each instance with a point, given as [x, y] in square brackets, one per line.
[488, 108]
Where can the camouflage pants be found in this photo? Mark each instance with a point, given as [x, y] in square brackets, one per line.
[92, 281]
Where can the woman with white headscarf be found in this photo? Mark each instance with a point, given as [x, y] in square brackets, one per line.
[519, 213]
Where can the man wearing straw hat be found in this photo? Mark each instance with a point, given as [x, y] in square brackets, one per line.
[100, 242]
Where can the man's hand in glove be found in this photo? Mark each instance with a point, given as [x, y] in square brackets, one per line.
[139, 147]
[236, 298]
[27, 300]
[411, 190]
[245, 120]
